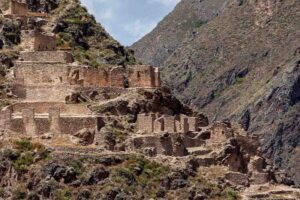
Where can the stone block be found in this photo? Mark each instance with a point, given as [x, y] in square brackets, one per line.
[18, 8]
[259, 178]
[169, 124]
[54, 116]
[165, 145]
[29, 121]
[5, 118]
[237, 178]
[184, 125]
[159, 125]
[46, 56]
[117, 78]
[43, 42]
[193, 123]
[141, 76]
[157, 78]
[256, 164]
[145, 123]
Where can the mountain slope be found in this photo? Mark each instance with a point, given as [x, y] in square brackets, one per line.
[157, 46]
[243, 65]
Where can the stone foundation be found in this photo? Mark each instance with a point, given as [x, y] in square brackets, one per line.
[31, 123]
[48, 56]
[167, 144]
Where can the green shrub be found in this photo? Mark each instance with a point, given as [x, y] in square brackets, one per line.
[23, 162]
[77, 165]
[2, 192]
[232, 195]
[63, 194]
[18, 194]
[239, 80]
[23, 145]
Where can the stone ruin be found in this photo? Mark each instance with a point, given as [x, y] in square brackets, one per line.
[155, 123]
[168, 135]
[19, 11]
[220, 143]
[44, 78]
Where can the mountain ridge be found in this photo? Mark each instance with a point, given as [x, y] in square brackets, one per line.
[235, 67]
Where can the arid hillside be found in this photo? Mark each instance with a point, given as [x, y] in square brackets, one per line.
[241, 65]
[156, 47]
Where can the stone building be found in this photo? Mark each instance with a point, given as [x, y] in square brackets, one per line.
[155, 123]
[144, 76]
[18, 8]
[19, 11]
[44, 77]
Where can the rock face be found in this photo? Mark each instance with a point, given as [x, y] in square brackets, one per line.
[156, 47]
[243, 65]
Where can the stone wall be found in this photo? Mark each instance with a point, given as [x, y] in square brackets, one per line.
[18, 8]
[46, 56]
[145, 123]
[143, 76]
[48, 93]
[152, 123]
[44, 42]
[168, 144]
[41, 72]
[117, 77]
[43, 107]
[95, 77]
[31, 124]
[46, 69]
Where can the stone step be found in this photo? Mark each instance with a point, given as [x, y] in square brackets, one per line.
[198, 151]
[205, 160]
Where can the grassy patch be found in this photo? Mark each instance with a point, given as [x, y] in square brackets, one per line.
[63, 194]
[23, 145]
[142, 173]
[77, 165]
[239, 80]
[231, 195]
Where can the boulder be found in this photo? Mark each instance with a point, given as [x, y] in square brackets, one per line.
[97, 175]
[259, 178]
[60, 172]
[84, 137]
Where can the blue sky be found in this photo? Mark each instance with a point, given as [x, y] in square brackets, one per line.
[129, 20]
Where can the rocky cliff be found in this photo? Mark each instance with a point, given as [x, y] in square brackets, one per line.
[241, 64]
[157, 46]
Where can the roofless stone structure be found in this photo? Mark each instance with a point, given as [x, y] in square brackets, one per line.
[44, 78]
